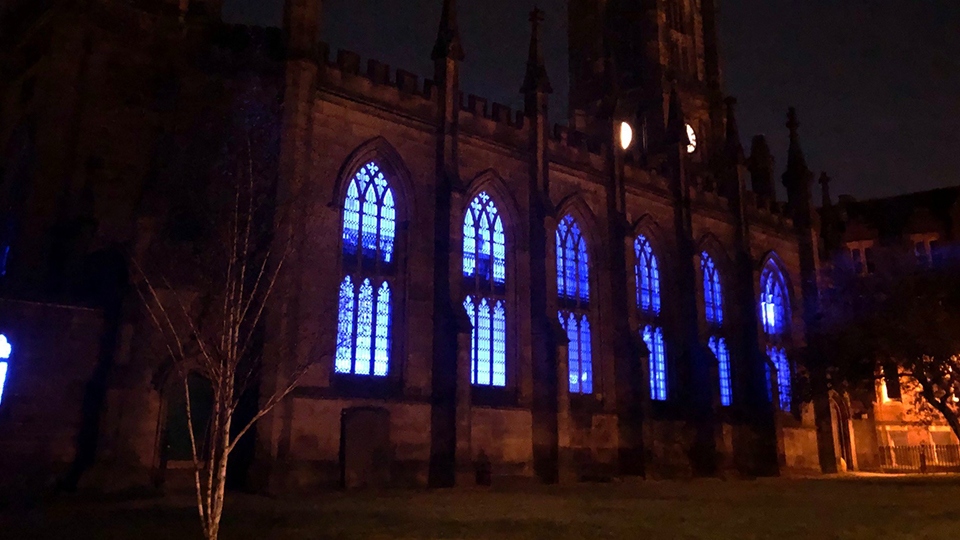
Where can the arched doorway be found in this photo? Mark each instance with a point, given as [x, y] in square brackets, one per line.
[842, 449]
[175, 450]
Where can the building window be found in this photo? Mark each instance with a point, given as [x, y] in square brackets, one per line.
[937, 253]
[653, 337]
[868, 255]
[713, 313]
[891, 383]
[484, 273]
[719, 348]
[779, 358]
[774, 312]
[6, 352]
[712, 292]
[647, 276]
[369, 236]
[857, 257]
[922, 253]
[573, 290]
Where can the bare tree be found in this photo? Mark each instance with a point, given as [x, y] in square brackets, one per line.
[902, 320]
[213, 330]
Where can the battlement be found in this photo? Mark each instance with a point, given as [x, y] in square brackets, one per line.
[577, 148]
[766, 210]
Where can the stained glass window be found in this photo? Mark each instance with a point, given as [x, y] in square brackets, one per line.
[369, 216]
[485, 276]
[647, 276]
[712, 292]
[484, 242]
[6, 351]
[772, 301]
[369, 236]
[573, 288]
[653, 337]
[573, 263]
[719, 348]
[580, 353]
[784, 377]
[713, 313]
[774, 313]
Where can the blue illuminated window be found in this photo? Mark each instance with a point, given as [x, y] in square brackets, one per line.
[774, 313]
[580, 356]
[647, 276]
[712, 292]
[573, 264]
[713, 313]
[489, 339]
[6, 351]
[773, 301]
[485, 275]
[484, 243]
[369, 216]
[573, 289]
[369, 236]
[719, 348]
[779, 358]
[653, 337]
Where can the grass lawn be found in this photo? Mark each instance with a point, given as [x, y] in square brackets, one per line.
[827, 508]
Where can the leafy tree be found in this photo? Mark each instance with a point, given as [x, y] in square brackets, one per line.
[901, 320]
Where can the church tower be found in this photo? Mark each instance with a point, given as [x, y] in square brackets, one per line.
[640, 50]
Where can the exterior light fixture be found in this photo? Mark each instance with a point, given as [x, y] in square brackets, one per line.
[692, 137]
[626, 135]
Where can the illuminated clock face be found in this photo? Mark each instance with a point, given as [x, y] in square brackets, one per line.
[692, 137]
[626, 135]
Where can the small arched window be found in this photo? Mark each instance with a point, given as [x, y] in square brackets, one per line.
[647, 275]
[774, 313]
[369, 238]
[712, 291]
[719, 348]
[485, 275]
[6, 353]
[573, 288]
[713, 313]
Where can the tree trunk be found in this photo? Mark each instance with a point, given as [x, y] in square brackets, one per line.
[951, 416]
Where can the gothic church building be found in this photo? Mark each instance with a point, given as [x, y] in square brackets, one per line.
[488, 294]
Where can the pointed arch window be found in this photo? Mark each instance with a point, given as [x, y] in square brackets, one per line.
[6, 353]
[719, 348]
[774, 314]
[713, 313]
[573, 288]
[647, 277]
[485, 276]
[365, 310]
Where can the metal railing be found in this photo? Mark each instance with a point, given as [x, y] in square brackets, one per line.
[922, 458]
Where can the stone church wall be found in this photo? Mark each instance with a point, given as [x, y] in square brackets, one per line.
[45, 415]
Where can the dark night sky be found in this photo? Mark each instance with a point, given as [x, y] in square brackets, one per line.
[876, 82]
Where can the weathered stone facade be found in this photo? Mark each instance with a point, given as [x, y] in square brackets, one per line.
[114, 113]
